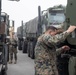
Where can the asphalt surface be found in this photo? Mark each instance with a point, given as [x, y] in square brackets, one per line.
[24, 66]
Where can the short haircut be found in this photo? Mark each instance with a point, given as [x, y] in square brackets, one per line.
[51, 28]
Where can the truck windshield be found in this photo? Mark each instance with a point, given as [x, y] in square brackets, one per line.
[2, 19]
[56, 18]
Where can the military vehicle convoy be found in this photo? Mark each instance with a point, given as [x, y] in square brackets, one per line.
[31, 30]
[35, 27]
[60, 18]
[4, 33]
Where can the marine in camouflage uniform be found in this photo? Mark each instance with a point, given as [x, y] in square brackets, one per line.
[45, 53]
[13, 50]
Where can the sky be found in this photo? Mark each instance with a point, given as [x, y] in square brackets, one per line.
[27, 9]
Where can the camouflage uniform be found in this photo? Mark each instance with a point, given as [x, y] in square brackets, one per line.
[45, 54]
[13, 49]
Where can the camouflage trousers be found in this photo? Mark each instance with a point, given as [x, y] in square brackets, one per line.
[45, 69]
[12, 53]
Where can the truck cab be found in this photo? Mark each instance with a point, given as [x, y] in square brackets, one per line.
[69, 57]
[54, 16]
[4, 33]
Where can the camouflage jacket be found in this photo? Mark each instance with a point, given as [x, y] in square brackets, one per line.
[45, 53]
[13, 43]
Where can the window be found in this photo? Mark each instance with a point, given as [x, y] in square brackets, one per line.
[2, 19]
[56, 17]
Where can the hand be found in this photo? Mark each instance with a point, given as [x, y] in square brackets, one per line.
[59, 31]
[65, 48]
[71, 29]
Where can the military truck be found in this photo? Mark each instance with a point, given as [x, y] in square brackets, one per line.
[20, 35]
[67, 60]
[49, 17]
[35, 27]
[4, 33]
[70, 56]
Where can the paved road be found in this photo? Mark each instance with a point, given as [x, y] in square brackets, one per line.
[24, 66]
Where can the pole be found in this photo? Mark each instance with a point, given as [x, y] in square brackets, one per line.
[39, 21]
[22, 28]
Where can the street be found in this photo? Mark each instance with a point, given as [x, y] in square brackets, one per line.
[24, 66]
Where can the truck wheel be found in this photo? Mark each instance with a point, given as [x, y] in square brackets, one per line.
[28, 49]
[32, 50]
[24, 47]
[72, 65]
[3, 71]
[19, 45]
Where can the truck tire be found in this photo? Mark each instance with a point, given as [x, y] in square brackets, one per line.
[72, 65]
[24, 47]
[19, 45]
[28, 49]
[32, 52]
[3, 72]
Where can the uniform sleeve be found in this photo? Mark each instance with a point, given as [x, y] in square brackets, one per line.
[58, 37]
[59, 51]
[52, 40]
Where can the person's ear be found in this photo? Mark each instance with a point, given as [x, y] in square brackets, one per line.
[50, 31]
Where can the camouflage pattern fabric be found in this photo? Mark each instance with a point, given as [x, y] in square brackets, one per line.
[13, 49]
[45, 54]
